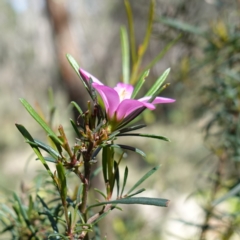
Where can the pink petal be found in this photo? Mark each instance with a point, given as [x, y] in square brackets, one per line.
[124, 90]
[127, 107]
[110, 98]
[157, 100]
[86, 76]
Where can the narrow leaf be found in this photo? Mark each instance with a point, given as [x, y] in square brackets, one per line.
[232, 193]
[142, 179]
[47, 148]
[149, 26]
[29, 138]
[145, 135]
[116, 176]
[162, 53]
[137, 192]
[73, 63]
[124, 179]
[132, 128]
[129, 148]
[131, 31]
[140, 83]
[125, 55]
[41, 122]
[175, 23]
[49, 214]
[23, 213]
[77, 107]
[160, 202]
[62, 181]
[79, 135]
[101, 193]
[157, 85]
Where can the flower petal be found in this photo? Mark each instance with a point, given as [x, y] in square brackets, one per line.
[124, 90]
[127, 107]
[110, 98]
[86, 76]
[157, 100]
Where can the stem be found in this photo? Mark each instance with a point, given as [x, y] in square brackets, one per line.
[86, 183]
[95, 217]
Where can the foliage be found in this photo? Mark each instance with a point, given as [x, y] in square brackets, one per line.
[221, 102]
[60, 214]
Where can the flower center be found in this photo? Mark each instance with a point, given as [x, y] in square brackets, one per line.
[123, 94]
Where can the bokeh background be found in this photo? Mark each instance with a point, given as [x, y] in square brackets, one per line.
[36, 35]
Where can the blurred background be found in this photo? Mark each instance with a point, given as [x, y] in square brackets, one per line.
[35, 37]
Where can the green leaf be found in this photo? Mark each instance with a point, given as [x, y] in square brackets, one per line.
[162, 53]
[47, 212]
[175, 23]
[104, 163]
[116, 176]
[74, 64]
[41, 122]
[140, 83]
[125, 55]
[149, 26]
[96, 172]
[144, 135]
[29, 138]
[232, 193]
[75, 128]
[79, 193]
[142, 179]
[57, 235]
[77, 107]
[157, 85]
[136, 200]
[47, 148]
[132, 128]
[49, 159]
[23, 213]
[101, 193]
[62, 181]
[131, 31]
[137, 192]
[129, 148]
[124, 179]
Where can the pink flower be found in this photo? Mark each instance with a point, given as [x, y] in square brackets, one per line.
[117, 101]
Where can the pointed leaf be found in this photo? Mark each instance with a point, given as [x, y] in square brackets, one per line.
[77, 107]
[49, 215]
[47, 148]
[125, 55]
[162, 53]
[232, 193]
[29, 138]
[132, 128]
[131, 31]
[140, 83]
[23, 213]
[73, 63]
[142, 179]
[124, 179]
[129, 148]
[36, 116]
[144, 135]
[62, 181]
[79, 135]
[137, 192]
[116, 176]
[182, 26]
[157, 85]
[101, 193]
[160, 202]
